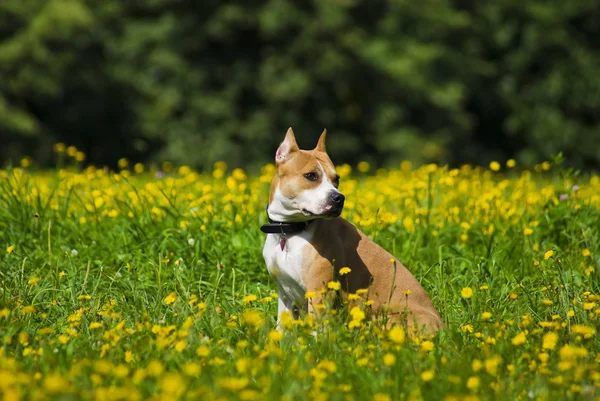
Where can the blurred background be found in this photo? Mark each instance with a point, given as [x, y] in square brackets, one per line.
[192, 82]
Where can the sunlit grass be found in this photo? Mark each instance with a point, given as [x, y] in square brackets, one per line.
[149, 283]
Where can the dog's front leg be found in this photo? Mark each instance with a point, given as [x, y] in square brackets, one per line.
[284, 306]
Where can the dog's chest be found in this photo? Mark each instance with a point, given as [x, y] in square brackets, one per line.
[286, 265]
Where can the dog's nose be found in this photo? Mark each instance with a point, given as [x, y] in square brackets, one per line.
[337, 197]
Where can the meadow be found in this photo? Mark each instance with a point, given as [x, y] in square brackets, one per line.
[149, 283]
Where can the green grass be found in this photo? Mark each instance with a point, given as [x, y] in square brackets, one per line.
[125, 286]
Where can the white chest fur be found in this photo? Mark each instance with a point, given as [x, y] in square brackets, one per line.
[286, 266]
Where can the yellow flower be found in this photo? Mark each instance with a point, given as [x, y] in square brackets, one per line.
[585, 331]
[381, 397]
[427, 375]
[10, 249]
[427, 346]
[363, 167]
[275, 335]
[95, 325]
[345, 270]
[389, 359]
[171, 298]
[310, 295]
[472, 382]
[519, 339]
[33, 281]
[495, 166]
[491, 364]
[548, 254]
[334, 285]
[233, 384]
[252, 318]
[250, 298]
[55, 383]
[203, 351]
[527, 231]
[466, 292]
[27, 310]
[397, 335]
[191, 369]
[510, 163]
[155, 368]
[485, 316]
[586, 252]
[63, 339]
[180, 345]
[549, 340]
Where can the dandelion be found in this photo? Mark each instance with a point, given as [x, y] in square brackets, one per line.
[495, 166]
[426, 346]
[252, 318]
[485, 316]
[466, 292]
[171, 298]
[581, 329]
[427, 375]
[473, 383]
[180, 345]
[527, 231]
[27, 310]
[548, 254]
[363, 167]
[33, 281]
[250, 298]
[63, 339]
[389, 359]
[334, 285]
[310, 295]
[586, 252]
[275, 335]
[510, 163]
[344, 270]
[10, 249]
[55, 383]
[233, 384]
[519, 339]
[397, 335]
[191, 369]
[381, 397]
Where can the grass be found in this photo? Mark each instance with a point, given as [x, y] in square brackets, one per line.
[151, 285]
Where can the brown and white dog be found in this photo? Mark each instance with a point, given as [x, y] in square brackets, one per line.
[308, 243]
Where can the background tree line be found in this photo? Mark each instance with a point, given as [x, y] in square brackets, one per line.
[192, 82]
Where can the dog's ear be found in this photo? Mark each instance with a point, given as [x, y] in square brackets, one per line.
[321, 144]
[287, 147]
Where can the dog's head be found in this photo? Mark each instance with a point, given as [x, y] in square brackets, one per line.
[305, 185]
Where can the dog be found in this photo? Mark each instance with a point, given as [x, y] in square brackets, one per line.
[308, 243]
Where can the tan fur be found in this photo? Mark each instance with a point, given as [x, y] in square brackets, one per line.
[337, 243]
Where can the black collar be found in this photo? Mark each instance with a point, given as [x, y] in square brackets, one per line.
[277, 227]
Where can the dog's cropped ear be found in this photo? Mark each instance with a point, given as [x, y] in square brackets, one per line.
[321, 144]
[287, 147]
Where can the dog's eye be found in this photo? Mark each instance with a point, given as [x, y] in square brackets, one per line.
[311, 176]
[336, 181]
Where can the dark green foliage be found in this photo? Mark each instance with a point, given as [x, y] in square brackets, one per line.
[195, 82]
